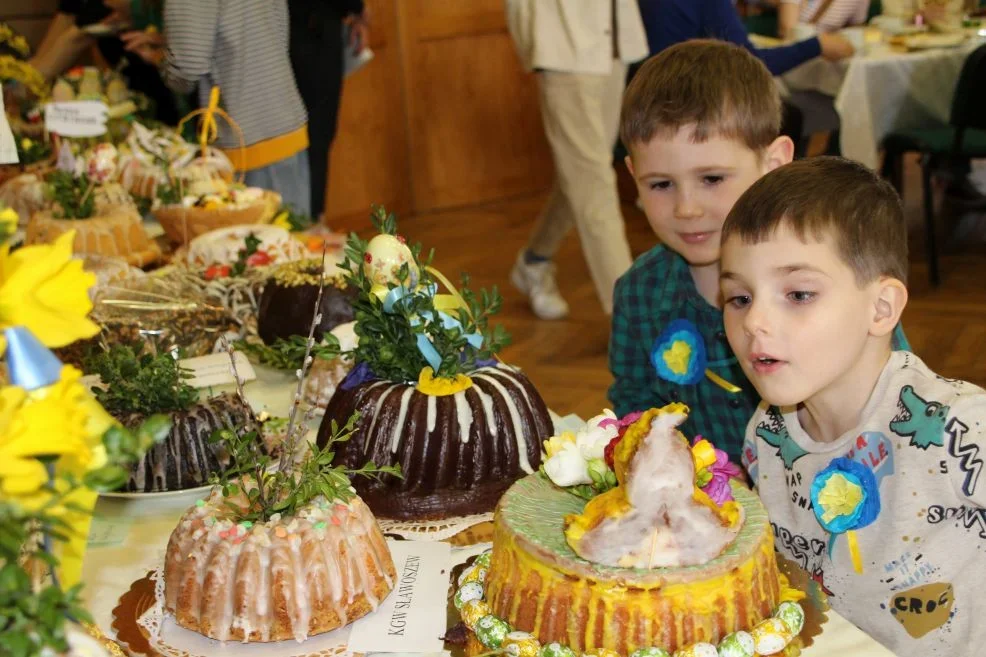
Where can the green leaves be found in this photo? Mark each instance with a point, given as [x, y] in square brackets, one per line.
[140, 383]
[285, 492]
[388, 341]
[73, 195]
[289, 354]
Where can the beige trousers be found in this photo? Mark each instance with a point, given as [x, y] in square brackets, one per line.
[581, 114]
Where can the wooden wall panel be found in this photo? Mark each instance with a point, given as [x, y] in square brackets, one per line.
[474, 127]
[369, 160]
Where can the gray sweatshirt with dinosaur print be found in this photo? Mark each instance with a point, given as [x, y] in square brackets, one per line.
[921, 589]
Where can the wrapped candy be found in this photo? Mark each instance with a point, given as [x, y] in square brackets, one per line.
[101, 163]
[602, 652]
[491, 631]
[472, 610]
[484, 559]
[556, 649]
[793, 616]
[468, 591]
[650, 652]
[737, 644]
[700, 649]
[474, 573]
[770, 636]
[520, 644]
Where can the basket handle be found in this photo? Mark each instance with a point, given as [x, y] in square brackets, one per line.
[209, 131]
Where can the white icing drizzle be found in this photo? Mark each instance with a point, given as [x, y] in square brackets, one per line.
[395, 439]
[432, 408]
[379, 405]
[464, 415]
[525, 464]
[312, 557]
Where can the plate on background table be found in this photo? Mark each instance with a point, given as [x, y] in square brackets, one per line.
[929, 41]
[191, 493]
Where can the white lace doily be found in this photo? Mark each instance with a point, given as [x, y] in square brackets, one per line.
[431, 530]
[171, 640]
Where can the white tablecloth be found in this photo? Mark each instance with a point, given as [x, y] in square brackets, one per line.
[883, 91]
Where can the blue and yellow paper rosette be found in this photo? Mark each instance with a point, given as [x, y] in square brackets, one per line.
[845, 497]
[679, 356]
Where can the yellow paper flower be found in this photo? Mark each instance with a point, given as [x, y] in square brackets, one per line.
[678, 357]
[45, 290]
[839, 497]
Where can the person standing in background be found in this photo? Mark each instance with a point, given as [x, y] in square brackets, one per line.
[580, 50]
[240, 46]
[317, 45]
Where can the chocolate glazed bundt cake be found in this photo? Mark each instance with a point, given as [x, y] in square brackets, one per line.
[458, 452]
[185, 459]
[288, 303]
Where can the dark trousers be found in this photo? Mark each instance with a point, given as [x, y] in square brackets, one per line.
[316, 57]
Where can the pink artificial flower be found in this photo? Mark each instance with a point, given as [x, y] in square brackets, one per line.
[624, 421]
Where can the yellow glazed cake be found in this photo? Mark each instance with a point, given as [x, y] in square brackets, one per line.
[535, 587]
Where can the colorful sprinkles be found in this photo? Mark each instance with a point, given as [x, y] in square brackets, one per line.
[769, 637]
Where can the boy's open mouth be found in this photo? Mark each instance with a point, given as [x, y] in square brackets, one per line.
[765, 363]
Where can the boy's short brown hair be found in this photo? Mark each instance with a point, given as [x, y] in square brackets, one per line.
[719, 87]
[822, 195]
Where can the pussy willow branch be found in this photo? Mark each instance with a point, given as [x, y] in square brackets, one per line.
[288, 456]
[258, 467]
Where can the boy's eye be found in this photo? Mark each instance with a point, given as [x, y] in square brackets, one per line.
[660, 184]
[801, 296]
[712, 180]
[738, 301]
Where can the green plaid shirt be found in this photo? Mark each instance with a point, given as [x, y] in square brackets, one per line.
[657, 290]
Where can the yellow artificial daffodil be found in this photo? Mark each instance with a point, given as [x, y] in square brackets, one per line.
[839, 497]
[44, 289]
[63, 424]
[556, 444]
[8, 223]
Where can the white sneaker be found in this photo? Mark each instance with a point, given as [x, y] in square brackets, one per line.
[537, 281]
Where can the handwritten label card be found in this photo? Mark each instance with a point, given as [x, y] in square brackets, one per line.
[412, 618]
[216, 370]
[76, 118]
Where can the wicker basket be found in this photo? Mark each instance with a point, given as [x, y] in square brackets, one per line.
[182, 225]
[115, 231]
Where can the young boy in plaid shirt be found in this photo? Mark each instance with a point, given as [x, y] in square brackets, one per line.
[701, 123]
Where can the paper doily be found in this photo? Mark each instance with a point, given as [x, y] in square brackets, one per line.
[431, 530]
[165, 638]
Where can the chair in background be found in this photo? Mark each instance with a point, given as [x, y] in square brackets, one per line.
[963, 138]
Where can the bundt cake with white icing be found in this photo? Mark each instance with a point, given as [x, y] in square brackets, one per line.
[430, 394]
[186, 458]
[458, 452]
[286, 578]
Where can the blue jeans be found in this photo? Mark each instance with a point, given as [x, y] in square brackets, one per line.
[289, 177]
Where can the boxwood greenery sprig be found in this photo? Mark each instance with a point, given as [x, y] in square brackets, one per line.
[388, 335]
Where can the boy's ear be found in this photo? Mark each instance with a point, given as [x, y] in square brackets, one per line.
[890, 297]
[629, 162]
[779, 153]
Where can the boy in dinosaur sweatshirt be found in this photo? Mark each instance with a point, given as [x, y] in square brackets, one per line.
[868, 462]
